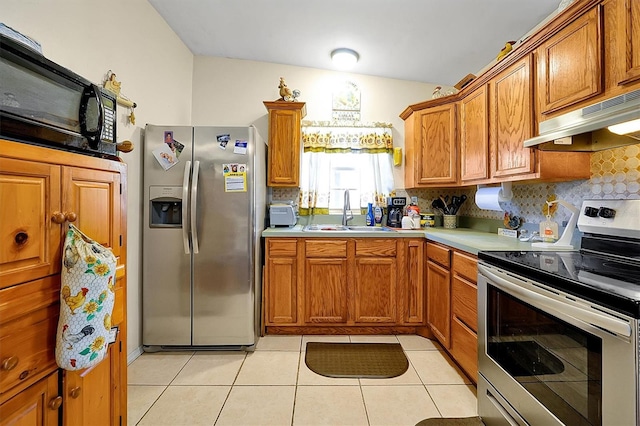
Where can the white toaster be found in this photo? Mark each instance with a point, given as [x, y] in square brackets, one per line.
[282, 215]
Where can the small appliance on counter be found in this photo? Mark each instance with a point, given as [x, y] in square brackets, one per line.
[282, 214]
[395, 207]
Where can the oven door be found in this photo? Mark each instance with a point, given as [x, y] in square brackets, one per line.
[549, 358]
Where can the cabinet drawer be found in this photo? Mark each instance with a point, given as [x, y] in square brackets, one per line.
[465, 302]
[281, 247]
[464, 348]
[374, 247]
[27, 346]
[466, 266]
[326, 248]
[439, 254]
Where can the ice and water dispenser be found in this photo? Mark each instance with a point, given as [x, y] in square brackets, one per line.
[166, 207]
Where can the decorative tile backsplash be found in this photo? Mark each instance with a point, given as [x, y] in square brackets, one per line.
[615, 174]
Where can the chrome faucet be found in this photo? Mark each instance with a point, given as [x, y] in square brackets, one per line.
[346, 206]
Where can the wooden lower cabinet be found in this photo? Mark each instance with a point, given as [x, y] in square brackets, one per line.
[341, 285]
[452, 299]
[42, 190]
[38, 405]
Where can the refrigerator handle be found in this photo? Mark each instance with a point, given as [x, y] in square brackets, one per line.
[194, 205]
[185, 207]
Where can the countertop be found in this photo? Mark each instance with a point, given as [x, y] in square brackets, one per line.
[464, 239]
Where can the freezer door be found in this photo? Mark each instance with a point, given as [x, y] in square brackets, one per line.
[166, 263]
[223, 280]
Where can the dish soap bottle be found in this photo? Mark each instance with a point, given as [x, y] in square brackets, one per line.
[377, 215]
[370, 220]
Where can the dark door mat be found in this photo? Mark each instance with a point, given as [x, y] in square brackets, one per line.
[356, 360]
[458, 421]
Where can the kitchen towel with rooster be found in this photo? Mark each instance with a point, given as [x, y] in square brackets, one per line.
[87, 294]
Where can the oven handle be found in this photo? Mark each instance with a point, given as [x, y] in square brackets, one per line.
[531, 297]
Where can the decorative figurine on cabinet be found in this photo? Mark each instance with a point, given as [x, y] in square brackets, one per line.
[287, 94]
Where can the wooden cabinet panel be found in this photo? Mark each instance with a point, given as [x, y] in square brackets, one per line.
[326, 248]
[376, 247]
[30, 242]
[439, 302]
[464, 304]
[325, 290]
[570, 64]
[624, 35]
[94, 196]
[465, 265]
[92, 396]
[439, 254]
[474, 136]
[375, 290]
[413, 300]
[39, 405]
[281, 289]
[282, 247]
[512, 120]
[435, 153]
[464, 348]
[285, 143]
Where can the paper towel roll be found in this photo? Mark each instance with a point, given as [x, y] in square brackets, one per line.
[488, 198]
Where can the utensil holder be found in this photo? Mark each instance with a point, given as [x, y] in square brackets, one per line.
[450, 221]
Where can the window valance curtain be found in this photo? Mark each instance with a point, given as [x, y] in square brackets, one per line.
[369, 148]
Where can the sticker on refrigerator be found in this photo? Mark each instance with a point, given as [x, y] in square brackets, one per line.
[223, 140]
[165, 157]
[240, 147]
[235, 177]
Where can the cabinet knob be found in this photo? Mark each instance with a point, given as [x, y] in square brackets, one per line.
[55, 403]
[70, 216]
[10, 363]
[75, 392]
[57, 217]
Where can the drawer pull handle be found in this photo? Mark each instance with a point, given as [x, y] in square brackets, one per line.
[55, 403]
[57, 217]
[21, 238]
[10, 363]
[24, 374]
[75, 392]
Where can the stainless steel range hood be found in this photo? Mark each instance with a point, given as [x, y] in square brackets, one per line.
[586, 129]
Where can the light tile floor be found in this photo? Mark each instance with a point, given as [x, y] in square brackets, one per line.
[273, 386]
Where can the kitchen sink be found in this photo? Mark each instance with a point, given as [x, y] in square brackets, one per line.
[342, 228]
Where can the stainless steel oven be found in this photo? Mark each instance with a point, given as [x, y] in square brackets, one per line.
[558, 331]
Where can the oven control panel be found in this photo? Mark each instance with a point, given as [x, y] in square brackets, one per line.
[611, 217]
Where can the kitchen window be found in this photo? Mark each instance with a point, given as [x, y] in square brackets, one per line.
[336, 158]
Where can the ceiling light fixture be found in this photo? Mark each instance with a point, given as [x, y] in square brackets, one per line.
[344, 58]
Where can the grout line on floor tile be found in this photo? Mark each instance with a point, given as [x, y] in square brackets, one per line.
[182, 368]
[153, 403]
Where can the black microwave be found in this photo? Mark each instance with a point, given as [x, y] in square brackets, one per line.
[44, 103]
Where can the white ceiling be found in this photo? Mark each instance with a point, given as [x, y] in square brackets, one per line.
[431, 41]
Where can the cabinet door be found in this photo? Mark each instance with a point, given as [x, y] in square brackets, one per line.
[435, 151]
[325, 290]
[94, 197]
[30, 242]
[512, 120]
[92, 396]
[439, 302]
[38, 405]
[375, 290]
[628, 36]
[474, 136]
[570, 64]
[285, 143]
[281, 282]
[413, 299]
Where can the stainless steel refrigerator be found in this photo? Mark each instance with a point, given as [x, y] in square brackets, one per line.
[204, 207]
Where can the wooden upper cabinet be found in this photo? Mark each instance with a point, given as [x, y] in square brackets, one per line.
[285, 143]
[625, 35]
[474, 136]
[30, 242]
[512, 120]
[570, 64]
[93, 196]
[434, 152]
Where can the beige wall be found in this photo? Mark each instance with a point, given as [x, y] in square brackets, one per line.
[231, 92]
[128, 37]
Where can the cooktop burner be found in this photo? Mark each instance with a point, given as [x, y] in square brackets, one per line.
[607, 281]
